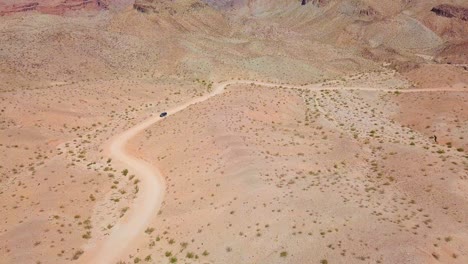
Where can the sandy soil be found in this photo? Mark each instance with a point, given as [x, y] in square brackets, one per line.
[176, 212]
[151, 195]
[290, 137]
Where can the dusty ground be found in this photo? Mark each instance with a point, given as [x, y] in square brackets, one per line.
[57, 172]
[332, 170]
[273, 178]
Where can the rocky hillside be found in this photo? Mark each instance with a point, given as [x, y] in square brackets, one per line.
[51, 6]
[451, 11]
[58, 7]
[201, 38]
[405, 27]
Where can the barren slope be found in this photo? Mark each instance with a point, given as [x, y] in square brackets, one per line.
[321, 150]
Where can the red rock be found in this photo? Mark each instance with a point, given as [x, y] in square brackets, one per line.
[53, 7]
[451, 11]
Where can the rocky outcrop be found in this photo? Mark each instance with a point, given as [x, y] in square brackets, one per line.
[18, 8]
[358, 10]
[142, 8]
[369, 11]
[53, 7]
[451, 11]
[169, 7]
[158, 7]
[454, 54]
[318, 3]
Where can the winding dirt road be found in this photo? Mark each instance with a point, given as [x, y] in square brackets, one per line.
[151, 193]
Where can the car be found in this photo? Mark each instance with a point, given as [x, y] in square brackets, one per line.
[163, 114]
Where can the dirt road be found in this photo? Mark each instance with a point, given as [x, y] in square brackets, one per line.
[151, 192]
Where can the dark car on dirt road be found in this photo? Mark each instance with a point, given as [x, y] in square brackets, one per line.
[163, 114]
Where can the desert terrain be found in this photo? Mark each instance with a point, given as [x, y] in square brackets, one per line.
[324, 132]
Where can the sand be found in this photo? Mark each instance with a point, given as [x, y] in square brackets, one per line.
[290, 137]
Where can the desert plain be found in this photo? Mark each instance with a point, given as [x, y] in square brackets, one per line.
[329, 132]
